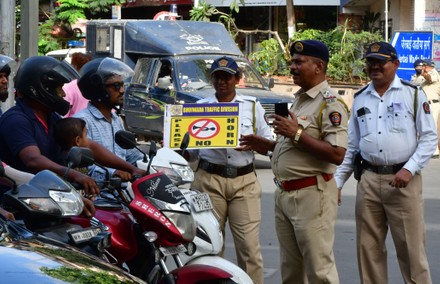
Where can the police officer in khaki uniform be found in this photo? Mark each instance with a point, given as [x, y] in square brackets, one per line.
[417, 78]
[431, 87]
[391, 138]
[228, 175]
[310, 143]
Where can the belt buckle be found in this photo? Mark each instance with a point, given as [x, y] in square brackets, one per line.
[230, 172]
[278, 183]
[385, 170]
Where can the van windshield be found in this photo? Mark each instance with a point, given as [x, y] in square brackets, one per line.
[195, 75]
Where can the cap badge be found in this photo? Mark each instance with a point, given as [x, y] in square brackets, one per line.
[299, 46]
[375, 47]
[223, 63]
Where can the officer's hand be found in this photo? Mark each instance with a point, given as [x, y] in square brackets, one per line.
[89, 208]
[401, 178]
[285, 126]
[256, 143]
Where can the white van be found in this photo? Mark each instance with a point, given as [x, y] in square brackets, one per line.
[65, 54]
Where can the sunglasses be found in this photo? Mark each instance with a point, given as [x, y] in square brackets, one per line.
[116, 85]
[371, 62]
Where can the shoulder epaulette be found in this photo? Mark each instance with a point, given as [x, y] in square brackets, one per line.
[360, 91]
[249, 98]
[407, 83]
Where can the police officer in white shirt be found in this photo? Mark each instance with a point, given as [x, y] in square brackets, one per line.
[392, 136]
[228, 175]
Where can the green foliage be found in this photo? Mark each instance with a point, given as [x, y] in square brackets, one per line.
[69, 12]
[206, 12]
[269, 60]
[82, 276]
[346, 51]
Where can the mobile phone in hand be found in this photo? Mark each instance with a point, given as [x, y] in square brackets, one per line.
[282, 109]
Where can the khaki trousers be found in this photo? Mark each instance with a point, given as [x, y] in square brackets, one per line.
[305, 222]
[380, 206]
[238, 201]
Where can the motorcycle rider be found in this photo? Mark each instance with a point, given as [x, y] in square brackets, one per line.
[102, 82]
[5, 71]
[26, 130]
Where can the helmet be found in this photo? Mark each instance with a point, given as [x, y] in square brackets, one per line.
[5, 64]
[38, 77]
[94, 74]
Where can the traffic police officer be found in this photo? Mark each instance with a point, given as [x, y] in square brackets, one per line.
[394, 134]
[417, 78]
[228, 175]
[309, 145]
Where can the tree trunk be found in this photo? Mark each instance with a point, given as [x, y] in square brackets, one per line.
[291, 22]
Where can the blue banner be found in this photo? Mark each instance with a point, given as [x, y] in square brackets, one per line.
[410, 46]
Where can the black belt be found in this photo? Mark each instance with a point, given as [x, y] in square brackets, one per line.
[383, 170]
[434, 101]
[225, 171]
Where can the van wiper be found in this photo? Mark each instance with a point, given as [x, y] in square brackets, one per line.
[204, 86]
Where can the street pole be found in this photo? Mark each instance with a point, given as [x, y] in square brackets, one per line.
[29, 29]
[386, 20]
[7, 41]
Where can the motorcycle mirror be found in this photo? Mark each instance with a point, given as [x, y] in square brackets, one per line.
[79, 157]
[185, 141]
[125, 139]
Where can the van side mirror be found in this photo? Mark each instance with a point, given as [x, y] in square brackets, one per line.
[271, 83]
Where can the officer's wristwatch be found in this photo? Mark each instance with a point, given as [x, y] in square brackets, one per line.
[297, 136]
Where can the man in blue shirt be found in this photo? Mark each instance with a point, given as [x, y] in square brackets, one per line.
[102, 82]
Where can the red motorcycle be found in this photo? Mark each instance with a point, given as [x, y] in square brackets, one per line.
[148, 227]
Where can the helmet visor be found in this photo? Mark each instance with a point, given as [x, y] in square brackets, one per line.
[111, 67]
[59, 75]
[6, 64]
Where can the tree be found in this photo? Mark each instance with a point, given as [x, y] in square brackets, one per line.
[57, 29]
[291, 21]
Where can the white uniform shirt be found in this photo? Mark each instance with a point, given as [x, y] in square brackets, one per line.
[384, 131]
[229, 156]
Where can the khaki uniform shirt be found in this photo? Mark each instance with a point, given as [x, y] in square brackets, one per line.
[417, 80]
[289, 161]
[432, 90]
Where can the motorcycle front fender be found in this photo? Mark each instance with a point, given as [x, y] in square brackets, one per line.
[238, 275]
[194, 273]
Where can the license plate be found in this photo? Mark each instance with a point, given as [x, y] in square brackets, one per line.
[167, 251]
[80, 236]
[201, 202]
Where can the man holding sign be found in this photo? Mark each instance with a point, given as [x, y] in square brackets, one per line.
[228, 175]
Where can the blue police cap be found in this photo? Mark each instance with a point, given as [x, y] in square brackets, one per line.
[419, 62]
[381, 50]
[226, 64]
[429, 62]
[310, 47]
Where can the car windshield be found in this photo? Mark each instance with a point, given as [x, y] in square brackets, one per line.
[195, 75]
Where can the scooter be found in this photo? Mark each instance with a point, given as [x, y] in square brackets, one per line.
[146, 229]
[208, 242]
[43, 205]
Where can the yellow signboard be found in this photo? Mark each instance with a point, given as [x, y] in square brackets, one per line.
[208, 125]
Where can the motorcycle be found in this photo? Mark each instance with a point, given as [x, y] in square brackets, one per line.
[43, 205]
[208, 242]
[153, 224]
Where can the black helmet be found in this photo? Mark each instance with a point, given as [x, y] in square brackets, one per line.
[5, 64]
[38, 77]
[94, 74]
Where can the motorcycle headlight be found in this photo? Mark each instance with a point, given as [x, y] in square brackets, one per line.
[184, 222]
[179, 174]
[70, 203]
